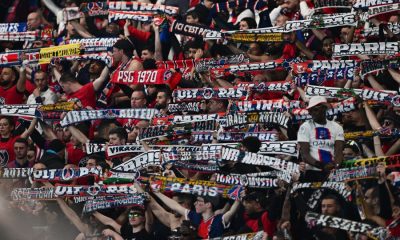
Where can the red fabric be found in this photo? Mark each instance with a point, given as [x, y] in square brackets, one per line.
[395, 232]
[7, 149]
[289, 51]
[175, 80]
[269, 226]
[74, 154]
[128, 123]
[203, 228]
[29, 86]
[86, 95]
[11, 95]
[139, 35]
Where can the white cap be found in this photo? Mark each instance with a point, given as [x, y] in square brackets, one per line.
[317, 100]
[245, 14]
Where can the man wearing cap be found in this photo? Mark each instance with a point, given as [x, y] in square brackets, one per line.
[321, 141]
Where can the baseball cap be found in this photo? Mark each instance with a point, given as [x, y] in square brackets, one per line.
[317, 100]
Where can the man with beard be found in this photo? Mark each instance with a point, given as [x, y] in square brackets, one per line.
[11, 92]
[321, 141]
[163, 99]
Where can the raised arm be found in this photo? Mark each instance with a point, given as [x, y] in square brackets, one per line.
[100, 80]
[227, 217]
[107, 221]
[21, 80]
[78, 135]
[157, 43]
[30, 129]
[73, 217]
[171, 203]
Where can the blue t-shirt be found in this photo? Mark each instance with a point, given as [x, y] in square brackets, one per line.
[211, 228]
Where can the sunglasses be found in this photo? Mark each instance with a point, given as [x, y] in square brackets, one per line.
[135, 214]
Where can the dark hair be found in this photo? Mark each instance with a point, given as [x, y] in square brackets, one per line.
[193, 44]
[193, 13]
[353, 146]
[56, 145]
[149, 47]
[126, 46]
[165, 89]
[251, 22]
[252, 144]
[9, 119]
[68, 76]
[149, 64]
[22, 140]
[332, 197]
[104, 125]
[120, 132]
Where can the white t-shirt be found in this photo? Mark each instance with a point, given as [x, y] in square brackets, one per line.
[48, 97]
[321, 139]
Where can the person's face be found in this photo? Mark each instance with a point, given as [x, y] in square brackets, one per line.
[112, 29]
[115, 140]
[369, 199]
[146, 54]
[192, 52]
[7, 77]
[281, 20]
[95, 68]
[344, 32]
[327, 47]
[66, 86]
[5, 127]
[396, 212]
[200, 205]
[117, 54]
[208, 4]
[243, 25]
[138, 99]
[348, 154]
[191, 20]
[318, 113]
[39, 166]
[161, 100]
[151, 90]
[31, 156]
[70, 29]
[329, 207]
[259, 79]
[33, 21]
[20, 150]
[41, 81]
[249, 206]
[91, 163]
[388, 123]
[136, 218]
[254, 49]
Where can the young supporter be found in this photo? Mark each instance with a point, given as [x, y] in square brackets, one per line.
[21, 152]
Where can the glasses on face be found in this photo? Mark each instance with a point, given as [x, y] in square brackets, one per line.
[135, 214]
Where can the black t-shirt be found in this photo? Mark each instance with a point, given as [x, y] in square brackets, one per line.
[126, 233]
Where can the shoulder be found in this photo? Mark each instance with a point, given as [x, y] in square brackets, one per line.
[335, 124]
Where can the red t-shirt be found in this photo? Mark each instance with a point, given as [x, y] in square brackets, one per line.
[7, 154]
[74, 154]
[268, 225]
[11, 96]
[86, 95]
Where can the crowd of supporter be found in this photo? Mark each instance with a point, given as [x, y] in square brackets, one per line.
[330, 134]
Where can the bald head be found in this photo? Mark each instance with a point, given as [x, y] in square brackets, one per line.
[33, 21]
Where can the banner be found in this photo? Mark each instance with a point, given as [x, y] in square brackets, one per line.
[151, 158]
[94, 147]
[177, 129]
[276, 105]
[10, 59]
[199, 155]
[193, 107]
[61, 106]
[350, 174]
[25, 194]
[278, 86]
[19, 36]
[283, 147]
[374, 31]
[372, 66]
[13, 27]
[244, 236]
[257, 117]
[364, 4]
[137, 199]
[193, 30]
[95, 44]
[322, 21]
[124, 15]
[160, 76]
[374, 48]
[310, 66]
[330, 3]
[320, 76]
[92, 9]
[239, 136]
[282, 175]
[86, 115]
[46, 54]
[15, 173]
[383, 9]
[315, 219]
[339, 187]
[347, 105]
[104, 57]
[61, 190]
[65, 174]
[20, 111]
[196, 167]
[246, 181]
[246, 37]
[190, 94]
[231, 154]
[196, 187]
[270, 65]
[143, 7]
[390, 161]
